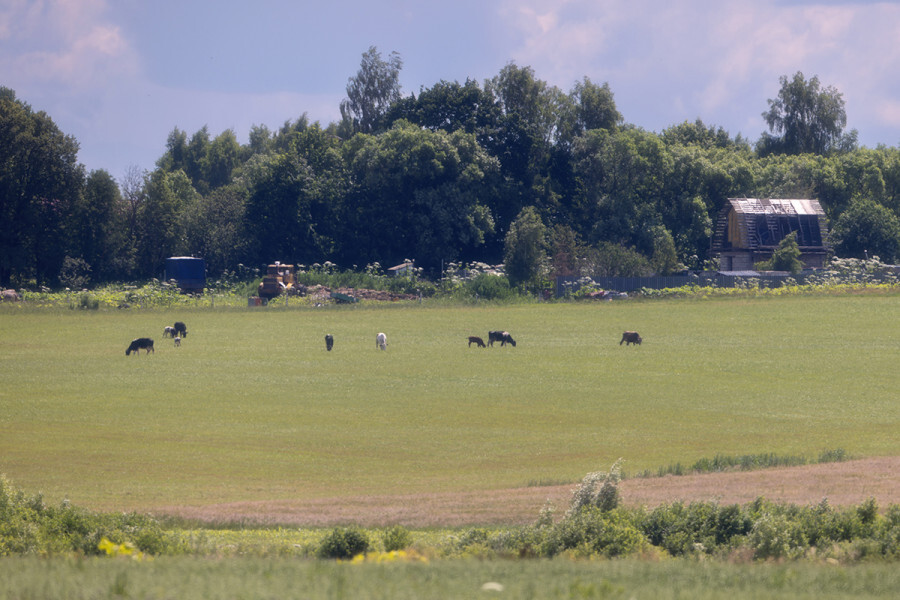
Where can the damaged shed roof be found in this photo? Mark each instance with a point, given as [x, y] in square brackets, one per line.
[752, 223]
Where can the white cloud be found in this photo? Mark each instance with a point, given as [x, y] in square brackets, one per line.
[17, 17]
[712, 59]
[888, 110]
[67, 43]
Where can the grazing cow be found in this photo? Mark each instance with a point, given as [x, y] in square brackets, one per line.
[10, 296]
[329, 342]
[180, 329]
[140, 344]
[169, 332]
[500, 336]
[477, 341]
[631, 337]
[381, 341]
[177, 342]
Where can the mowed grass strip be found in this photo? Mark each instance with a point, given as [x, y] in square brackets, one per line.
[252, 407]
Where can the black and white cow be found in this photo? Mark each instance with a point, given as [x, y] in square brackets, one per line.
[140, 344]
[500, 336]
[631, 337]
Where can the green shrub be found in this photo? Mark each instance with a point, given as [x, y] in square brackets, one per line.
[592, 531]
[87, 301]
[396, 538]
[343, 543]
[485, 286]
[835, 455]
[699, 526]
[29, 526]
[890, 534]
[777, 536]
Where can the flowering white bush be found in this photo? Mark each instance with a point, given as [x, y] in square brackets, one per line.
[605, 498]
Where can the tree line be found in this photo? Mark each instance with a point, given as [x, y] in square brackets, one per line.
[512, 170]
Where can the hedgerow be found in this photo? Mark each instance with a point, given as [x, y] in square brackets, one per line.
[591, 527]
[746, 462]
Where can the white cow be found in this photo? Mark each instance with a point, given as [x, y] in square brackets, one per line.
[381, 341]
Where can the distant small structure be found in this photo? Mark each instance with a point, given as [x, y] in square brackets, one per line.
[404, 268]
[748, 231]
[189, 273]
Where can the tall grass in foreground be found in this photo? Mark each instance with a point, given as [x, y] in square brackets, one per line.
[226, 579]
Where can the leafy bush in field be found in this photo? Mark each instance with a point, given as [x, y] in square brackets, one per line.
[606, 498]
[396, 538]
[485, 286]
[344, 543]
[29, 526]
[776, 536]
[697, 527]
[890, 538]
[87, 301]
[595, 532]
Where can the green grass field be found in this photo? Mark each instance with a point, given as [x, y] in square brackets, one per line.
[252, 407]
[464, 579]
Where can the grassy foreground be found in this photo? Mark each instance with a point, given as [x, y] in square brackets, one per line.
[77, 579]
[252, 407]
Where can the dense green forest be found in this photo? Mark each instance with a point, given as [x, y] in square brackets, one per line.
[513, 170]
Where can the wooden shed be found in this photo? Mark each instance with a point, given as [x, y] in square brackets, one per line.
[748, 231]
[404, 268]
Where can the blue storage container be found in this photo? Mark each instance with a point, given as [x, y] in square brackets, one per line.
[188, 272]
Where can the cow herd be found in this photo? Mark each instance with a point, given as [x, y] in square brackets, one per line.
[632, 337]
[176, 332]
[179, 331]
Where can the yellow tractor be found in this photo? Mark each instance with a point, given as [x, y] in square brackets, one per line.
[278, 278]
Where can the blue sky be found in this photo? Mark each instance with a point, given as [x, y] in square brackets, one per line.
[119, 75]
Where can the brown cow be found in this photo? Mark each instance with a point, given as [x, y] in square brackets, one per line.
[631, 337]
[474, 339]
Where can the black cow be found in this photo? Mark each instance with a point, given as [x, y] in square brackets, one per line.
[180, 329]
[479, 343]
[329, 342]
[500, 336]
[631, 337]
[140, 344]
